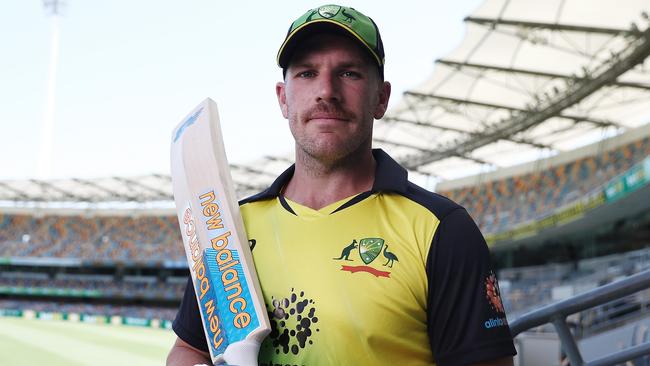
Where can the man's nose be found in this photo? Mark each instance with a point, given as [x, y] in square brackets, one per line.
[328, 88]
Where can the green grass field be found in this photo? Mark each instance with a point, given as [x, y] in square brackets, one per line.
[26, 342]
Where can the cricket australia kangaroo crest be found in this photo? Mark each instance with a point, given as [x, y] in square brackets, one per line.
[368, 249]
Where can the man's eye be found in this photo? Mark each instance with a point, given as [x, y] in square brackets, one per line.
[351, 74]
[306, 74]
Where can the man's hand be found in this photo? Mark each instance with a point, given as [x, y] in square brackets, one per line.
[182, 354]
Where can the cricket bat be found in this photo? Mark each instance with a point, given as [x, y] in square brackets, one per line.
[227, 290]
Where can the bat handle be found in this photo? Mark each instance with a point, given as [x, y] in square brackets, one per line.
[242, 353]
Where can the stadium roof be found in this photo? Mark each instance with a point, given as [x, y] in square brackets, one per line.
[142, 189]
[531, 79]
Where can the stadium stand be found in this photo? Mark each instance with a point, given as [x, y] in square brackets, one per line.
[497, 203]
[130, 266]
[504, 203]
[98, 238]
[104, 287]
[144, 312]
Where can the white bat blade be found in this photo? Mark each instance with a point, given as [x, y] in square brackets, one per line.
[221, 264]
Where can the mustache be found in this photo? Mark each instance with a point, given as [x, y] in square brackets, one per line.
[331, 110]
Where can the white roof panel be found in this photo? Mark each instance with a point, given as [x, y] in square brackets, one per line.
[529, 78]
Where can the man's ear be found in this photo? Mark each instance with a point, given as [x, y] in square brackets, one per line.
[382, 101]
[280, 91]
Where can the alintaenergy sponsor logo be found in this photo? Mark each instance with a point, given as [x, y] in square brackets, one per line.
[495, 322]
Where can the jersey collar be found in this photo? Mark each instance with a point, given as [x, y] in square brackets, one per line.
[389, 177]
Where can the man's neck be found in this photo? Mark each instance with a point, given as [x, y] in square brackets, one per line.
[316, 185]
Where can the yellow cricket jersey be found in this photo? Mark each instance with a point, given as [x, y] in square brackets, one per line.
[393, 276]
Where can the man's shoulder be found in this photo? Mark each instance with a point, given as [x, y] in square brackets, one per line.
[261, 196]
[392, 177]
[437, 204]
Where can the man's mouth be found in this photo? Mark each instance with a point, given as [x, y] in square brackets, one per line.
[328, 116]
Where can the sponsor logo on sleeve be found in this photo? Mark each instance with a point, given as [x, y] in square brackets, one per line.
[492, 293]
[493, 296]
[495, 322]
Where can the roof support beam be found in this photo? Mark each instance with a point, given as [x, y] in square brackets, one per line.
[425, 150]
[45, 186]
[248, 169]
[512, 70]
[637, 51]
[601, 123]
[401, 144]
[113, 193]
[158, 194]
[424, 124]
[280, 159]
[19, 194]
[531, 143]
[444, 128]
[552, 26]
[166, 178]
[428, 174]
[249, 187]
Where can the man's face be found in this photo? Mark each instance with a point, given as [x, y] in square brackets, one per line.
[331, 95]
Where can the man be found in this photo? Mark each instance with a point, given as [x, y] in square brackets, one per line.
[358, 266]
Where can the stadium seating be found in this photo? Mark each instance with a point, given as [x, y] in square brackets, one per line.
[99, 238]
[103, 288]
[495, 205]
[502, 204]
[91, 309]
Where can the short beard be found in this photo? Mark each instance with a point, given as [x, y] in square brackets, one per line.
[318, 164]
[316, 155]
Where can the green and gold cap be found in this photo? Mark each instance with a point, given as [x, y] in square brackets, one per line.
[337, 19]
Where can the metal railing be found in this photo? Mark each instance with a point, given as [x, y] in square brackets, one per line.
[557, 313]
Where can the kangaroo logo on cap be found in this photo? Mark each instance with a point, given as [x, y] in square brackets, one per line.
[329, 11]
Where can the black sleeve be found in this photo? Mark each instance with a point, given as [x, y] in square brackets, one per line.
[466, 320]
[187, 324]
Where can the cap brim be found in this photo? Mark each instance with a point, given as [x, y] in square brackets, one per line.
[314, 27]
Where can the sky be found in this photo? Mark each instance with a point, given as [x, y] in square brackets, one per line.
[127, 72]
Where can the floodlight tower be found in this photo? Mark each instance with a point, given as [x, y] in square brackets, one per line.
[52, 7]
[44, 165]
